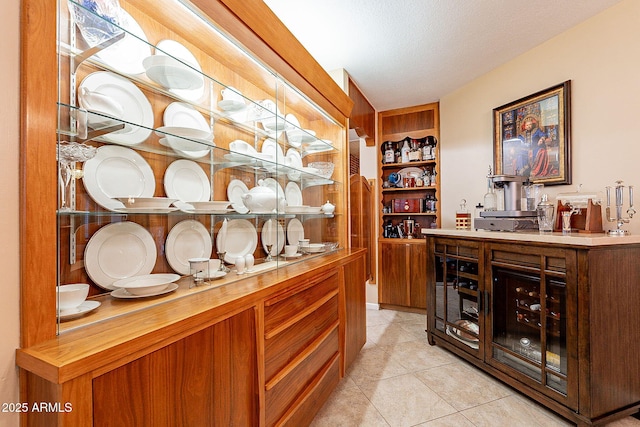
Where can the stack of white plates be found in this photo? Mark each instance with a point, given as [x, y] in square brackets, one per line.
[186, 131]
[146, 285]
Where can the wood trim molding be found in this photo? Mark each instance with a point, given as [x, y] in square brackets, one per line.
[277, 47]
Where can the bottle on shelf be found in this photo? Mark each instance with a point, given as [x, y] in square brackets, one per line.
[389, 152]
[415, 153]
[404, 152]
[490, 200]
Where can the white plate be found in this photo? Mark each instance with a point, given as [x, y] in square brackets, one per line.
[187, 239]
[293, 194]
[78, 311]
[235, 191]
[272, 148]
[175, 49]
[193, 143]
[187, 154]
[294, 136]
[295, 231]
[294, 161]
[122, 293]
[180, 114]
[136, 107]
[186, 181]
[127, 54]
[296, 209]
[117, 172]
[273, 234]
[117, 251]
[171, 73]
[240, 239]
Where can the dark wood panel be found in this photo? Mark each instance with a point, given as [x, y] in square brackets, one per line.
[363, 115]
[393, 276]
[409, 122]
[418, 276]
[614, 343]
[355, 324]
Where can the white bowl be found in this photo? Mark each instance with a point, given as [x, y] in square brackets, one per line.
[71, 296]
[242, 147]
[147, 284]
[171, 73]
[315, 247]
[146, 202]
[214, 205]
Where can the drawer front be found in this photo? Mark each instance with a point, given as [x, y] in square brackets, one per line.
[291, 305]
[282, 396]
[283, 347]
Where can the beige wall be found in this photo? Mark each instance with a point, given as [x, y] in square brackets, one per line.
[9, 134]
[601, 57]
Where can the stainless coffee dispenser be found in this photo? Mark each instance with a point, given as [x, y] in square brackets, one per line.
[513, 217]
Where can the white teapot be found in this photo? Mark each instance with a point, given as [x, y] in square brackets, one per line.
[261, 199]
[328, 208]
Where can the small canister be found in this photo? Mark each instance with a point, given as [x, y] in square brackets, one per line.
[545, 211]
[463, 217]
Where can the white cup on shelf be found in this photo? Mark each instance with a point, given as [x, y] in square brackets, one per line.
[290, 250]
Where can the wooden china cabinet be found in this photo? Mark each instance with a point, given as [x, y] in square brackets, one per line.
[264, 348]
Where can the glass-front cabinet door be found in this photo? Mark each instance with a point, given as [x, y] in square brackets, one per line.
[457, 300]
[530, 306]
[177, 144]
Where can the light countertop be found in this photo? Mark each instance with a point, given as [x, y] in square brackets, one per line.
[579, 239]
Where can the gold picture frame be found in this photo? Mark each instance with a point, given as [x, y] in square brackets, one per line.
[532, 136]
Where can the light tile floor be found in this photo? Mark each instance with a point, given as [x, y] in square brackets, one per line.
[400, 380]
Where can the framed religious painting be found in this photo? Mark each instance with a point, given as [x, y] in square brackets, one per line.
[532, 136]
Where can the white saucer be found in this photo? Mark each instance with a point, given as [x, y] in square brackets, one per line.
[85, 307]
[146, 210]
[231, 105]
[296, 255]
[217, 274]
[123, 294]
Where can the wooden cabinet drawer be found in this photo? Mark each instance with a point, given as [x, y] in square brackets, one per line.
[550, 259]
[282, 348]
[308, 405]
[294, 304]
[285, 392]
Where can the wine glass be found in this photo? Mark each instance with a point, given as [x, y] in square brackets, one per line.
[67, 154]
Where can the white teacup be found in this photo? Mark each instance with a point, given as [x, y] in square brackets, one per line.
[303, 244]
[290, 250]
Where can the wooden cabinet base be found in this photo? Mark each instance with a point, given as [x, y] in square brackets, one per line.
[198, 362]
[550, 318]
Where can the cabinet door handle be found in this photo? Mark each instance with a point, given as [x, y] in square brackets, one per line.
[480, 301]
[486, 303]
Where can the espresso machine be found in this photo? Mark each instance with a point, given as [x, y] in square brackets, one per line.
[514, 216]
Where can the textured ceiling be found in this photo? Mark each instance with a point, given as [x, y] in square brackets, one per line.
[409, 52]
